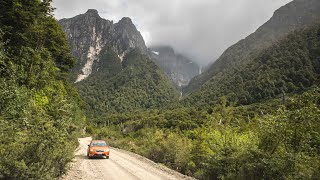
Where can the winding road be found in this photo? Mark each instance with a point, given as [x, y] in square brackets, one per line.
[121, 165]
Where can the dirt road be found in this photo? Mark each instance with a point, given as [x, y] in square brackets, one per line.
[121, 165]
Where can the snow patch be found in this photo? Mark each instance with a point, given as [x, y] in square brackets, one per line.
[157, 53]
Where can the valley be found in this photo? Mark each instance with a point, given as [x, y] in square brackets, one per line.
[252, 113]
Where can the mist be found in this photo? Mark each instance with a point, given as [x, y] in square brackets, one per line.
[201, 30]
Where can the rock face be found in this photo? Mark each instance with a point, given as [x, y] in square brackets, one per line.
[179, 68]
[89, 34]
[293, 16]
[115, 73]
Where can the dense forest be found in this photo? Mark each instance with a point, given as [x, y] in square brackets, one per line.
[40, 116]
[269, 140]
[293, 16]
[289, 66]
[134, 84]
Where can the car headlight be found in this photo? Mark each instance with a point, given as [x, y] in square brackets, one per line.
[91, 150]
[107, 150]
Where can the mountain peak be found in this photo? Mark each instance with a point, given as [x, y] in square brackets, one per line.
[92, 11]
[89, 34]
[125, 20]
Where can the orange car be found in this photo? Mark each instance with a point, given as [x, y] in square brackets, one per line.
[98, 148]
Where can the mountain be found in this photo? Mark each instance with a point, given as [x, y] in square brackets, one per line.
[178, 67]
[88, 34]
[293, 16]
[115, 72]
[291, 65]
[133, 84]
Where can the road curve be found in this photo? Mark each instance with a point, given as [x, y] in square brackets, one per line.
[121, 165]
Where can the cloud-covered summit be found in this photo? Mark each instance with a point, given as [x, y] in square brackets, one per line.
[200, 29]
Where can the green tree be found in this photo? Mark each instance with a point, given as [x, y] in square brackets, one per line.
[39, 109]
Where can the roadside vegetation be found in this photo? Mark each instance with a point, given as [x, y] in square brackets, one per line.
[40, 116]
[258, 141]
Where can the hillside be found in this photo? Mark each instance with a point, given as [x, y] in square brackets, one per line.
[178, 67]
[133, 84]
[115, 73]
[293, 16]
[40, 113]
[289, 66]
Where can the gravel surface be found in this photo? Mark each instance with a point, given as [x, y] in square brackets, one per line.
[121, 165]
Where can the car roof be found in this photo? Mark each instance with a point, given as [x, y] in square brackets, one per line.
[98, 141]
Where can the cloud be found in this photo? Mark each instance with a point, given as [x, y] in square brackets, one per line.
[201, 29]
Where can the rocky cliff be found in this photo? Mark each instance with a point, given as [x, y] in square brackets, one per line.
[115, 73]
[88, 34]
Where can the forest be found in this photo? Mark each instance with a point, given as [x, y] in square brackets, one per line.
[258, 141]
[120, 87]
[40, 111]
[258, 121]
[289, 66]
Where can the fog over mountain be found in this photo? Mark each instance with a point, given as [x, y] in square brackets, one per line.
[202, 30]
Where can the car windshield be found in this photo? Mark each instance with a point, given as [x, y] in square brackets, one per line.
[99, 144]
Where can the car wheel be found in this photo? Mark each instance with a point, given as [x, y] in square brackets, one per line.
[107, 157]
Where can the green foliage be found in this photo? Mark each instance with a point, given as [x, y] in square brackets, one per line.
[120, 87]
[39, 112]
[291, 137]
[29, 26]
[289, 66]
[246, 50]
[260, 141]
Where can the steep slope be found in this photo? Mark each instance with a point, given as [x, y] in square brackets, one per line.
[88, 34]
[133, 84]
[291, 65]
[178, 67]
[115, 73]
[295, 15]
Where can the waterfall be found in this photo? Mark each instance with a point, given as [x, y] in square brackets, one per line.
[200, 69]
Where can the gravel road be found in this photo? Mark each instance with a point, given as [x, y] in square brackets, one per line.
[121, 165]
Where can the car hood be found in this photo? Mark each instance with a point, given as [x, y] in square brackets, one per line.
[99, 147]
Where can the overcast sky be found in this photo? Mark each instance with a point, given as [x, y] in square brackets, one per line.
[200, 29]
